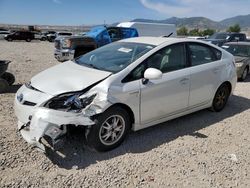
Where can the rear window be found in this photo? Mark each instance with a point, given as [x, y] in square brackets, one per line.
[129, 32]
[202, 54]
[217, 53]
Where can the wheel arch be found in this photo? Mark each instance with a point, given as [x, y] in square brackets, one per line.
[226, 83]
[125, 107]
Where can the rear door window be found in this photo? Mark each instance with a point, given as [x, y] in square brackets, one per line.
[202, 54]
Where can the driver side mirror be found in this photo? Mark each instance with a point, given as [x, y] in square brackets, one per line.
[152, 74]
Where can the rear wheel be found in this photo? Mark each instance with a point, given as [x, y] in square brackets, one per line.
[4, 86]
[220, 98]
[10, 78]
[28, 40]
[244, 74]
[43, 39]
[110, 129]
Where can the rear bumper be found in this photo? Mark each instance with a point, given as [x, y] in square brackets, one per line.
[64, 54]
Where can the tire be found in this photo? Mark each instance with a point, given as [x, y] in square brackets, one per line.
[43, 39]
[9, 39]
[28, 40]
[100, 136]
[220, 98]
[244, 74]
[10, 78]
[4, 86]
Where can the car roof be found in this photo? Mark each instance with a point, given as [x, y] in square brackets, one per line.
[238, 43]
[159, 40]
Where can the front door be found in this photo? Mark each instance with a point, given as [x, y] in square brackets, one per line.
[168, 95]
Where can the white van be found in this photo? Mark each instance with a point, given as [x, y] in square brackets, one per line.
[151, 29]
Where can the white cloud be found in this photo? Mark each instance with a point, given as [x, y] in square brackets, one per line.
[166, 9]
[213, 9]
[57, 1]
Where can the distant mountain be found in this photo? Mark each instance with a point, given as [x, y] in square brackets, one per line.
[243, 21]
[202, 22]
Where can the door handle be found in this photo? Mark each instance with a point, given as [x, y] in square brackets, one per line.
[184, 81]
[134, 92]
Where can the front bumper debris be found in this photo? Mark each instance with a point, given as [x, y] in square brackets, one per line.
[51, 123]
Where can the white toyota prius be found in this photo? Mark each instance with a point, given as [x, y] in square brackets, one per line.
[130, 84]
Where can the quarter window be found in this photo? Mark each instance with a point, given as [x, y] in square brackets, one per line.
[201, 54]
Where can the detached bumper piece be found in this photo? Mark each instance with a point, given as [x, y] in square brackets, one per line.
[50, 125]
[53, 135]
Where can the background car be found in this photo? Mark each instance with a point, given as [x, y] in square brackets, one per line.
[222, 37]
[20, 35]
[3, 34]
[130, 84]
[52, 37]
[40, 36]
[241, 52]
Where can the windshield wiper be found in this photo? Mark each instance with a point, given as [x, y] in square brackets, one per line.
[86, 64]
[93, 66]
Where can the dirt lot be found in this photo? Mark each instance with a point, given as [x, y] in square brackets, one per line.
[204, 149]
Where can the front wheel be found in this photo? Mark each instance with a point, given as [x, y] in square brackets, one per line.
[110, 129]
[28, 40]
[220, 98]
[4, 86]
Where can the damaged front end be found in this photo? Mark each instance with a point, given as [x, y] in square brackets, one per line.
[51, 118]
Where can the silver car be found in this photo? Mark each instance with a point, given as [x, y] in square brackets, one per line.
[130, 84]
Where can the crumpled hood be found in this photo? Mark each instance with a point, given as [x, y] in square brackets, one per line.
[67, 77]
[239, 59]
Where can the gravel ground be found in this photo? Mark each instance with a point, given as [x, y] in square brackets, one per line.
[204, 149]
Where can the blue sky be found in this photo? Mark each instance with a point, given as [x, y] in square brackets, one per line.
[87, 12]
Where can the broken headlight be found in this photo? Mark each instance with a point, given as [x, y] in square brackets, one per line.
[69, 102]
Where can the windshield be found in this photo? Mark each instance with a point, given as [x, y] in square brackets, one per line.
[238, 50]
[222, 36]
[114, 57]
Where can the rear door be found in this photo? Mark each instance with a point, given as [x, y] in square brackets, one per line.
[205, 71]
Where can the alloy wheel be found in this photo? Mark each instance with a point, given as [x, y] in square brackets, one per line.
[112, 130]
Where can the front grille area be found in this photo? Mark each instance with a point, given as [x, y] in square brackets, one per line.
[28, 103]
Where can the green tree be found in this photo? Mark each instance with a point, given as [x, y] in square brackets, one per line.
[207, 32]
[235, 28]
[182, 31]
[194, 32]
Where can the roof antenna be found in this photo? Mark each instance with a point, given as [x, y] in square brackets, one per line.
[168, 35]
